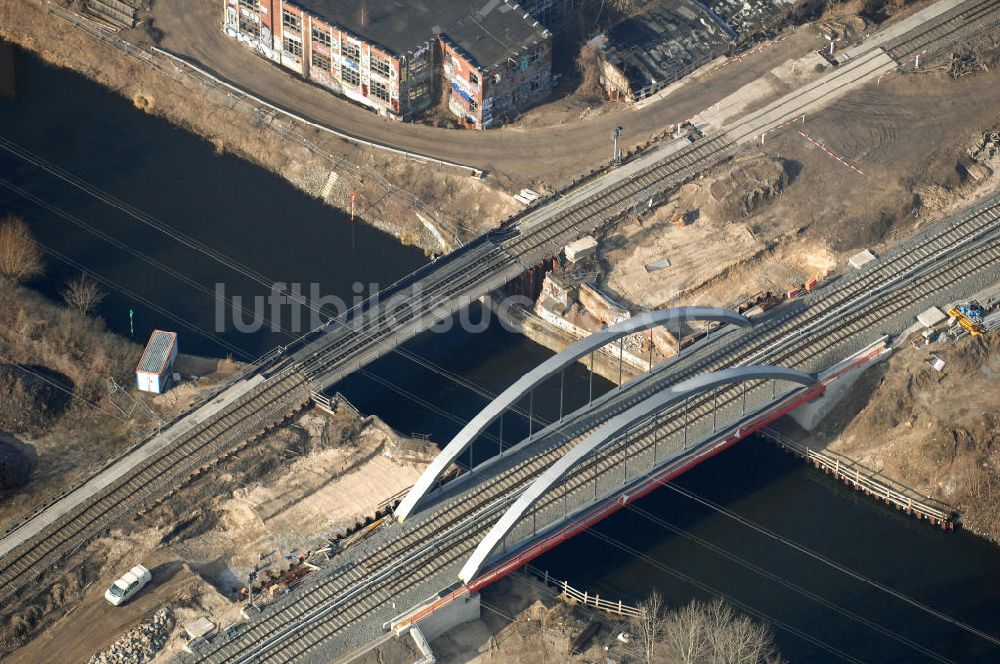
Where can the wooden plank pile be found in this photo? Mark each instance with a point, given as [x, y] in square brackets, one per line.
[116, 12]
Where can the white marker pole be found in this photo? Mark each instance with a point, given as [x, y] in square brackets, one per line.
[916, 62]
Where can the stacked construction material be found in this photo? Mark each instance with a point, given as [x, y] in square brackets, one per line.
[115, 12]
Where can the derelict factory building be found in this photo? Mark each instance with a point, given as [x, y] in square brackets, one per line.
[489, 59]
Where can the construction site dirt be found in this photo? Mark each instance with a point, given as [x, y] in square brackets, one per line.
[866, 171]
[786, 211]
[298, 491]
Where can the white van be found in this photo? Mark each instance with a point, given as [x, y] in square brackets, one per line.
[124, 588]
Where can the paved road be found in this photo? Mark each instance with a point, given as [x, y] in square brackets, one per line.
[554, 154]
[449, 284]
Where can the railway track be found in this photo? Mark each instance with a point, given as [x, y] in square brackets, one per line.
[945, 30]
[317, 365]
[532, 244]
[453, 286]
[254, 412]
[330, 354]
[533, 240]
[443, 535]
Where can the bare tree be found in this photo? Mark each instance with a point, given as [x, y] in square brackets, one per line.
[735, 638]
[648, 627]
[83, 294]
[20, 257]
[698, 633]
[685, 635]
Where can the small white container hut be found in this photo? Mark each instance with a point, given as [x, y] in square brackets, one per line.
[157, 363]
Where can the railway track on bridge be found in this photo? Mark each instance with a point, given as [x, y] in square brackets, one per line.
[529, 245]
[443, 536]
[318, 363]
[451, 286]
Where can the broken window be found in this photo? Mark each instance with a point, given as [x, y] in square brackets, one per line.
[293, 46]
[320, 61]
[418, 65]
[350, 76]
[380, 91]
[381, 66]
[250, 5]
[350, 50]
[251, 28]
[473, 79]
[291, 21]
[418, 91]
[322, 37]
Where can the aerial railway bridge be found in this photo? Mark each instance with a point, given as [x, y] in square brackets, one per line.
[419, 557]
[455, 538]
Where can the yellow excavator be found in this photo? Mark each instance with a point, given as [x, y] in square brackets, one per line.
[969, 316]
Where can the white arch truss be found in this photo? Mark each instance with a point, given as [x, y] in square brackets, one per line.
[540, 374]
[611, 429]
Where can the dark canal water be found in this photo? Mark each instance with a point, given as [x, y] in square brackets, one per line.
[261, 222]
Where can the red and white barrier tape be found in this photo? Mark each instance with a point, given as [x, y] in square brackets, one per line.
[831, 154]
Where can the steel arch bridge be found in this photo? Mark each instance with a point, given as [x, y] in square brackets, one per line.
[540, 374]
[610, 430]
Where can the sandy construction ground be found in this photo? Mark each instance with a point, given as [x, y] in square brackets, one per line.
[936, 432]
[909, 142]
[290, 493]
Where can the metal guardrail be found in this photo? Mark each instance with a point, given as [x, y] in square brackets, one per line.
[329, 403]
[386, 503]
[571, 594]
[869, 481]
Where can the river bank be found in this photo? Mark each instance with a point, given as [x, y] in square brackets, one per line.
[457, 205]
[936, 431]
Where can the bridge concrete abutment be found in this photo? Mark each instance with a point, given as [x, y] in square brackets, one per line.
[840, 378]
[439, 615]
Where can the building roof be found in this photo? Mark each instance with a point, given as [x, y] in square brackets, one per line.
[154, 358]
[488, 30]
[653, 48]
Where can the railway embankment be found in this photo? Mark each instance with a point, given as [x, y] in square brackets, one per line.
[934, 430]
[302, 491]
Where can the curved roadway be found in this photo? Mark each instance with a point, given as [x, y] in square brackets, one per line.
[554, 153]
